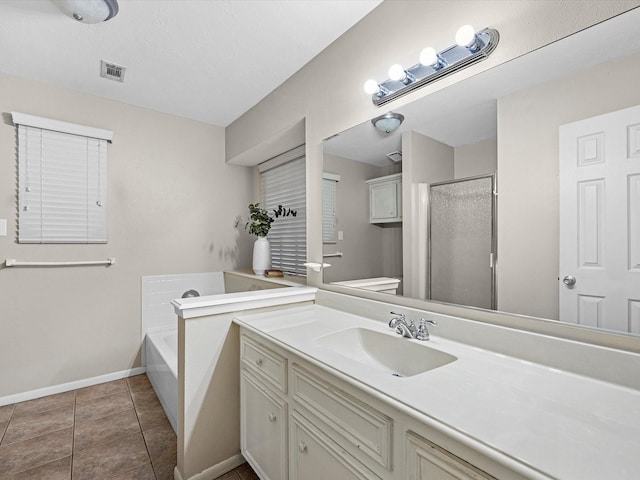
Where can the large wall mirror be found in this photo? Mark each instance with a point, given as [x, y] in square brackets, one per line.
[493, 213]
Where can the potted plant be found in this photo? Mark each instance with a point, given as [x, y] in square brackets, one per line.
[259, 224]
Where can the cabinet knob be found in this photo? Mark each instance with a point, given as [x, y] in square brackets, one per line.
[272, 417]
[259, 362]
[302, 448]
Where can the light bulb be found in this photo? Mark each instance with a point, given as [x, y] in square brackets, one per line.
[428, 57]
[465, 36]
[397, 73]
[371, 87]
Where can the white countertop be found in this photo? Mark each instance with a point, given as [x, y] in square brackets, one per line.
[554, 423]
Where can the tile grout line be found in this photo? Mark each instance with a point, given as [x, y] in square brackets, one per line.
[6, 427]
[73, 434]
[139, 425]
[135, 410]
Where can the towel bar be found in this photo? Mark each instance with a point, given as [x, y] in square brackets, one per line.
[12, 262]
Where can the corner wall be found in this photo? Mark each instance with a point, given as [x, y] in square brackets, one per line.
[361, 258]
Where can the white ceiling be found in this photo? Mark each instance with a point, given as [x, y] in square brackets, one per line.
[207, 60]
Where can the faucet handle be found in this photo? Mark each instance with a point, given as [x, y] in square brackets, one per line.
[399, 317]
[423, 332]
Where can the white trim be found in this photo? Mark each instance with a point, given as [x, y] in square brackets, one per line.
[215, 471]
[283, 158]
[67, 387]
[60, 126]
[235, 302]
[331, 176]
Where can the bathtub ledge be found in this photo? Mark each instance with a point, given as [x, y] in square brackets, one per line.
[233, 302]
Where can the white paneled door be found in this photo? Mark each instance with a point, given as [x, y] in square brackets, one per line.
[600, 221]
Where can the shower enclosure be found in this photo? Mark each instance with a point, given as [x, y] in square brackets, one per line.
[461, 242]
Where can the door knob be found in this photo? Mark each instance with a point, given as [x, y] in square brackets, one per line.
[569, 280]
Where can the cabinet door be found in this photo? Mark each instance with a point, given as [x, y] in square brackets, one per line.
[315, 457]
[384, 201]
[263, 429]
[428, 461]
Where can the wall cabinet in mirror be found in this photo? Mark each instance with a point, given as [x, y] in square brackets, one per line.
[385, 199]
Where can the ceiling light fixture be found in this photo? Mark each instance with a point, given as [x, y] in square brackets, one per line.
[388, 122]
[471, 47]
[90, 11]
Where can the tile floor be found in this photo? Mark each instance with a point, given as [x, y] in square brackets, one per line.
[115, 431]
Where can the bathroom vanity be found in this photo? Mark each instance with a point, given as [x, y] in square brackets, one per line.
[329, 394]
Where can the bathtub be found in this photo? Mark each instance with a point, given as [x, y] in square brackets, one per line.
[161, 351]
[160, 325]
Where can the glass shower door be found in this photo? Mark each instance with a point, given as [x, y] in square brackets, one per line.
[461, 240]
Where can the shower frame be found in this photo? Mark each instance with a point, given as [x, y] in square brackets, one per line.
[492, 254]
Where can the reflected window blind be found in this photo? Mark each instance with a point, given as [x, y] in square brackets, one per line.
[285, 185]
[329, 187]
[62, 187]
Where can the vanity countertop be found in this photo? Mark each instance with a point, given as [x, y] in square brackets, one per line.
[551, 422]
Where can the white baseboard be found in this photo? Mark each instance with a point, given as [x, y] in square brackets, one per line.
[214, 472]
[66, 387]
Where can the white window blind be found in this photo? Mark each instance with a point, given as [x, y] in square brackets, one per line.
[62, 188]
[285, 185]
[329, 187]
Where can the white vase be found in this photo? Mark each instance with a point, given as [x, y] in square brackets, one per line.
[261, 255]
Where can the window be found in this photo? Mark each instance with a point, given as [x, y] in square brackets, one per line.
[283, 181]
[329, 187]
[62, 181]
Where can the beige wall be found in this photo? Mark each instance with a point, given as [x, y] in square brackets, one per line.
[527, 273]
[328, 93]
[480, 158]
[172, 203]
[425, 161]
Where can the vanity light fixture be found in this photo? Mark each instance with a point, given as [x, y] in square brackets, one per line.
[90, 11]
[471, 47]
[388, 122]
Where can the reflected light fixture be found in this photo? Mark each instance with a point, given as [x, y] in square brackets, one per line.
[471, 47]
[388, 122]
[90, 11]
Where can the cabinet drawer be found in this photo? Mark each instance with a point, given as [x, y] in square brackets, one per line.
[315, 456]
[360, 429]
[266, 363]
[426, 460]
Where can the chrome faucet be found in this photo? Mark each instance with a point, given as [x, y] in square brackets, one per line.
[409, 330]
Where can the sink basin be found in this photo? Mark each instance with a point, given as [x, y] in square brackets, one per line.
[396, 355]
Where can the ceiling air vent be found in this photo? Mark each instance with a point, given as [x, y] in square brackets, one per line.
[111, 71]
[395, 156]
